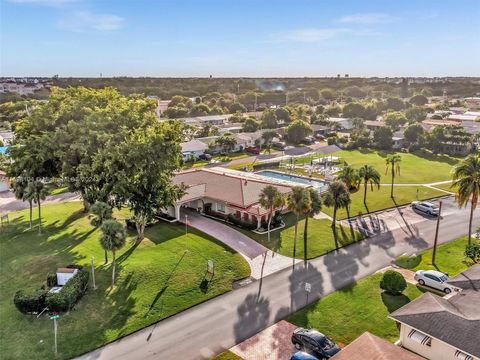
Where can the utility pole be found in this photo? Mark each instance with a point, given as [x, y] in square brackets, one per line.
[93, 275]
[434, 252]
[55, 329]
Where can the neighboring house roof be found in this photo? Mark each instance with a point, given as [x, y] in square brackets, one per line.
[468, 279]
[329, 149]
[193, 145]
[463, 117]
[233, 187]
[446, 319]
[371, 347]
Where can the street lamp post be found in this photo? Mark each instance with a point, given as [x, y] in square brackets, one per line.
[55, 329]
[434, 252]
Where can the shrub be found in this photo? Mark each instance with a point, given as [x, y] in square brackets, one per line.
[331, 140]
[473, 251]
[241, 223]
[30, 301]
[73, 290]
[393, 282]
[52, 280]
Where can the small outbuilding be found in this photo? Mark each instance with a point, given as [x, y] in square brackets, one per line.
[65, 274]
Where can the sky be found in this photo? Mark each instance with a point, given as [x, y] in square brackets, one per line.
[168, 38]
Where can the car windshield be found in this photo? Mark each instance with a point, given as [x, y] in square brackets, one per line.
[443, 278]
[328, 344]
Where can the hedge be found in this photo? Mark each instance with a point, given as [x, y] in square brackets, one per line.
[30, 301]
[73, 291]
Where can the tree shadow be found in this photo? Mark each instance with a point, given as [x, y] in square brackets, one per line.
[299, 277]
[342, 267]
[394, 302]
[253, 315]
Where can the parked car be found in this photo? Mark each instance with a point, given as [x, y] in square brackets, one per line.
[279, 145]
[252, 150]
[314, 342]
[206, 157]
[309, 140]
[302, 355]
[434, 279]
[425, 207]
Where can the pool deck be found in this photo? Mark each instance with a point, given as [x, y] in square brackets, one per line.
[293, 182]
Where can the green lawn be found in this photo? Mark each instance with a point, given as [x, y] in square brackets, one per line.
[447, 187]
[449, 258]
[320, 238]
[379, 199]
[346, 314]
[161, 276]
[227, 355]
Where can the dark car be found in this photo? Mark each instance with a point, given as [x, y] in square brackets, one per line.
[252, 150]
[301, 355]
[206, 157]
[279, 145]
[309, 140]
[314, 342]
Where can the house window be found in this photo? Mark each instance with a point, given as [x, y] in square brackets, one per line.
[421, 338]
[221, 207]
[462, 356]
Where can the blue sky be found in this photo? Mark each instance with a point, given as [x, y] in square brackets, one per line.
[240, 37]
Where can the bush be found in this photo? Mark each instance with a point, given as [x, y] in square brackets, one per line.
[30, 301]
[51, 280]
[393, 282]
[241, 223]
[331, 140]
[73, 291]
[473, 251]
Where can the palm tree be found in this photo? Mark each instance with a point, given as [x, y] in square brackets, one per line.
[23, 190]
[113, 238]
[466, 178]
[393, 161]
[350, 176]
[103, 212]
[369, 175]
[271, 199]
[39, 193]
[337, 195]
[299, 203]
[314, 209]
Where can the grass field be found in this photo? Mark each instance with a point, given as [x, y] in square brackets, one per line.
[346, 314]
[379, 199]
[446, 187]
[227, 355]
[320, 238]
[161, 276]
[449, 258]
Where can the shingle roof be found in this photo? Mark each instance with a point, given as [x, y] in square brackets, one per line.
[468, 279]
[371, 347]
[193, 145]
[446, 319]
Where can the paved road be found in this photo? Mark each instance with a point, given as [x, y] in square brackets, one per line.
[8, 202]
[207, 329]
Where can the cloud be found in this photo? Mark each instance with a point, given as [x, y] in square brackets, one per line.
[312, 35]
[366, 19]
[86, 21]
[42, 2]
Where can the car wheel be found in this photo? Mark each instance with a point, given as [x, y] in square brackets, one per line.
[298, 346]
[421, 282]
[447, 291]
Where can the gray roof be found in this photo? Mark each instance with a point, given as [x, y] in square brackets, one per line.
[468, 279]
[446, 319]
[329, 149]
[193, 145]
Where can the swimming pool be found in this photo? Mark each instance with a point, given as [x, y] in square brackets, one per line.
[315, 183]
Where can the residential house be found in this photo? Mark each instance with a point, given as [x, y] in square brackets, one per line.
[473, 103]
[216, 120]
[374, 124]
[341, 123]
[397, 140]
[370, 347]
[444, 328]
[193, 148]
[220, 192]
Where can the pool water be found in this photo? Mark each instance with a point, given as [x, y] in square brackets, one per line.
[315, 183]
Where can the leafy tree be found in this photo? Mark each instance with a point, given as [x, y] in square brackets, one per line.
[299, 202]
[336, 196]
[237, 107]
[369, 175]
[227, 142]
[466, 179]
[393, 282]
[328, 94]
[472, 251]
[350, 176]
[393, 162]
[250, 125]
[113, 238]
[298, 130]
[103, 212]
[208, 130]
[353, 110]
[395, 119]
[268, 136]
[418, 100]
[334, 110]
[23, 190]
[269, 119]
[355, 91]
[176, 112]
[316, 206]
[179, 100]
[271, 199]
[395, 104]
[39, 193]
[414, 134]
[416, 113]
[283, 114]
[382, 136]
[200, 110]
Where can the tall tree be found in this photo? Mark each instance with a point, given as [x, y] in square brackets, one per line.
[271, 199]
[338, 197]
[112, 239]
[350, 176]
[466, 179]
[298, 130]
[393, 162]
[299, 202]
[39, 192]
[316, 206]
[369, 175]
[103, 211]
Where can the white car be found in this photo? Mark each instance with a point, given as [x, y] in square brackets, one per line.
[434, 279]
[425, 207]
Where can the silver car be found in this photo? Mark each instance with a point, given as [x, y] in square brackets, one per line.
[434, 279]
[425, 207]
